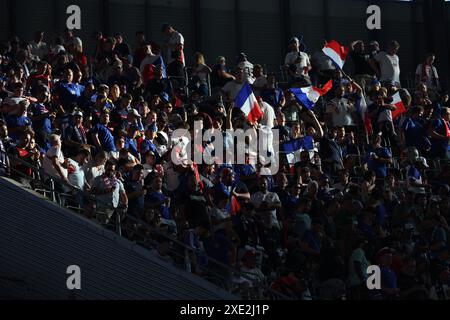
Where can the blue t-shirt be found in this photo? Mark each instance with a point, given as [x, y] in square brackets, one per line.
[379, 168]
[131, 145]
[388, 278]
[438, 146]
[147, 145]
[136, 205]
[69, 92]
[155, 197]
[105, 136]
[45, 125]
[414, 133]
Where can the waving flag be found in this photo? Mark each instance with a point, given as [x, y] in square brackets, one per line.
[308, 96]
[295, 147]
[400, 107]
[336, 52]
[149, 70]
[246, 101]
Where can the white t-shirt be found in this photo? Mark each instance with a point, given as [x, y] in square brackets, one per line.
[175, 38]
[300, 59]
[232, 89]
[39, 49]
[47, 163]
[389, 65]
[91, 172]
[343, 117]
[76, 178]
[271, 198]
[385, 115]
[269, 115]
[258, 85]
[247, 66]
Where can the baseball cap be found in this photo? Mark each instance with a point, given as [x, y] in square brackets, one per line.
[294, 39]
[374, 43]
[78, 114]
[376, 82]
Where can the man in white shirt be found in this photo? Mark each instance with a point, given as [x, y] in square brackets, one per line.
[247, 66]
[266, 204]
[387, 64]
[260, 80]
[268, 114]
[174, 41]
[340, 109]
[76, 174]
[38, 47]
[296, 60]
[232, 88]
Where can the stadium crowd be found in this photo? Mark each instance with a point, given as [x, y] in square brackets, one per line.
[373, 190]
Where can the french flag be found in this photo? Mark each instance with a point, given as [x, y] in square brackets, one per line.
[399, 105]
[308, 96]
[149, 70]
[336, 52]
[247, 102]
[293, 148]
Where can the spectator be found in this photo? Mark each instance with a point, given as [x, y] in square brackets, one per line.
[200, 73]
[297, 63]
[109, 193]
[101, 134]
[173, 42]
[38, 46]
[387, 64]
[426, 73]
[220, 75]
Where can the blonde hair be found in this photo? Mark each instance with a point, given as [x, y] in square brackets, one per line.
[199, 58]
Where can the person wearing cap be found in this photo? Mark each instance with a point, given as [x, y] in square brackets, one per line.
[439, 132]
[134, 119]
[387, 64]
[414, 179]
[148, 144]
[173, 42]
[297, 62]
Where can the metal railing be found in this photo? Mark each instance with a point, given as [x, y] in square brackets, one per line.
[119, 223]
